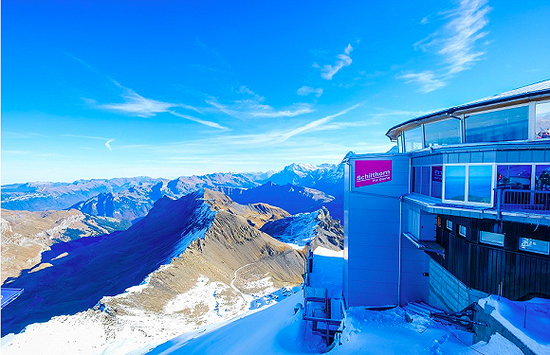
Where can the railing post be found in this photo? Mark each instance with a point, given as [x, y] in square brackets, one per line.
[499, 202]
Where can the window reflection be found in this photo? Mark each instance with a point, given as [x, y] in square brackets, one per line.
[534, 245]
[413, 139]
[514, 176]
[542, 177]
[480, 180]
[442, 132]
[497, 126]
[542, 121]
[455, 182]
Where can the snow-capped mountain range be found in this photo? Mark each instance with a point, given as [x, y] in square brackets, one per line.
[297, 188]
[197, 260]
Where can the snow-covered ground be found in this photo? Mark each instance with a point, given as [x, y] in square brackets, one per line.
[528, 320]
[95, 332]
[279, 330]
[387, 332]
[328, 268]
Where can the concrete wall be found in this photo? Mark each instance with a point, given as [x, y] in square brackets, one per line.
[371, 229]
[449, 293]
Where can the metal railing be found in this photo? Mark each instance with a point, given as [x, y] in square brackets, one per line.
[525, 200]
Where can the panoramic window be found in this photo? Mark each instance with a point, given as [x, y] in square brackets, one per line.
[437, 181]
[455, 182]
[497, 126]
[542, 120]
[413, 139]
[462, 230]
[400, 143]
[491, 238]
[534, 245]
[542, 177]
[426, 180]
[480, 183]
[515, 176]
[442, 132]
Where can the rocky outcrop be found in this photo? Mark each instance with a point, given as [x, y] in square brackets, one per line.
[315, 228]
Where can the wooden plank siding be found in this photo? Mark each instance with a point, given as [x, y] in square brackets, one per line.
[484, 267]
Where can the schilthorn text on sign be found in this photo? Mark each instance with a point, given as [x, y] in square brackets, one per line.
[370, 172]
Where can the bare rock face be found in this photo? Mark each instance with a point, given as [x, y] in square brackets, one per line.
[330, 233]
[25, 235]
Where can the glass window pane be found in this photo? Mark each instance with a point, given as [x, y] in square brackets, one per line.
[480, 182]
[413, 139]
[449, 225]
[426, 180]
[515, 176]
[400, 143]
[455, 182]
[534, 245]
[491, 238]
[462, 230]
[437, 181]
[542, 121]
[417, 179]
[542, 177]
[442, 132]
[497, 126]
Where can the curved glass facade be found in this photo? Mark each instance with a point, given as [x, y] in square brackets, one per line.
[498, 126]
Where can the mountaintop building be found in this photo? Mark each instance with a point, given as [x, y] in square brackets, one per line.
[462, 210]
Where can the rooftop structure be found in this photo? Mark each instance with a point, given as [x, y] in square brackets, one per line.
[460, 212]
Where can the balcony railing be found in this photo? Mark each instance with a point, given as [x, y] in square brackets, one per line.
[524, 200]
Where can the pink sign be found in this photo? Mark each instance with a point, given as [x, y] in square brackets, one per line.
[370, 172]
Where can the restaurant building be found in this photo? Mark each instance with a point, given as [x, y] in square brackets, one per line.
[462, 210]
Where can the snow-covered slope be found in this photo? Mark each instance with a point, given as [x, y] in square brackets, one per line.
[190, 262]
[529, 320]
[280, 330]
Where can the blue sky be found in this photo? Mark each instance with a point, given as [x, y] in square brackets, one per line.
[98, 89]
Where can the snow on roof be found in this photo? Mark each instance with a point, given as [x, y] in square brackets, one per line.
[532, 88]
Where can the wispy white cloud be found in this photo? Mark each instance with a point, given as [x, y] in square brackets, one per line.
[344, 60]
[317, 123]
[462, 33]
[333, 126]
[456, 42]
[108, 144]
[427, 80]
[307, 90]
[21, 135]
[135, 104]
[275, 137]
[108, 141]
[253, 105]
[198, 120]
[138, 105]
[84, 137]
